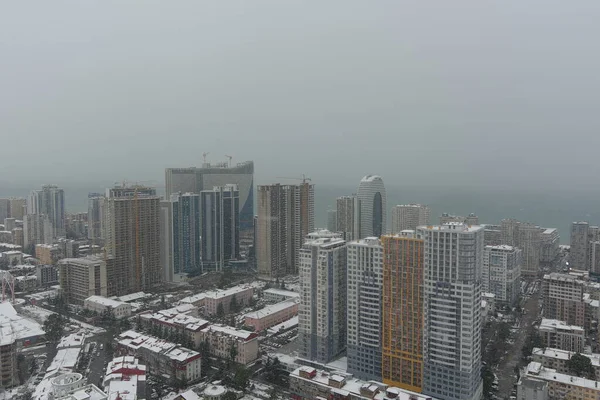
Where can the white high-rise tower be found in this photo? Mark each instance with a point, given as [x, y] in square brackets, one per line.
[453, 259]
[373, 206]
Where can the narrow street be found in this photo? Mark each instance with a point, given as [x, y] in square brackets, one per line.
[506, 369]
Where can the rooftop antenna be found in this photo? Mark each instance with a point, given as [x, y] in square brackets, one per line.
[204, 156]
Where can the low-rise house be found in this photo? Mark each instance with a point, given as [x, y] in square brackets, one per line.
[101, 304]
[125, 378]
[274, 295]
[221, 339]
[557, 334]
[176, 321]
[271, 315]
[559, 386]
[209, 302]
[161, 356]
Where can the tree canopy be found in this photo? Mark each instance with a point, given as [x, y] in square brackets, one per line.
[581, 366]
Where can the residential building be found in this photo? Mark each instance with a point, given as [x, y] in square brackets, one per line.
[185, 234]
[72, 386]
[471, 219]
[552, 385]
[17, 207]
[166, 240]
[132, 239]
[550, 242]
[95, 218]
[50, 201]
[18, 237]
[559, 335]
[510, 232]
[9, 224]
[26, 283]
[210, 301]
[403, 312]
[195, 180]
[220, 226]
[271, 315]
[332, 220]
[161, 357]
[348, 217]
[179, 320]
[530, 243]
[563, 298]
[285, 216]
[373, 206]
[37, 229]
[221, 339]
[501, 274]
[4, 208]
[125, 379]
[322, 311]
[492, 235]
[558, 359]
[307, 383]
[409, 216]
[46, 275]
[363, 308]
[81, 278]
[274, 295]
[453, 258]
[48, 253]
[578, 255]
[101, 305]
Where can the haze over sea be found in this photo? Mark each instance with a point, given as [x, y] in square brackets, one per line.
[552, 208]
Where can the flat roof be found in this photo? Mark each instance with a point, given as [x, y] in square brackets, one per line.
[105, 301]
[555, 324]
[229, 331]
[16, 327]
[135, 340]
[271, 309]
[72, 340]
[451, 227]
[564, 355]
[290, 323]
[282, 292]
[535, 370]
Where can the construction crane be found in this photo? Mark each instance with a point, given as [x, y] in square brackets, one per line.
[204, 156]
[303, 179]
[230, 157]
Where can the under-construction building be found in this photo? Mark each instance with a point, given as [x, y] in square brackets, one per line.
[402, 350]
[132, 239]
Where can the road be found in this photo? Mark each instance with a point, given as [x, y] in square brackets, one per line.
[506, 369]
[97, 363]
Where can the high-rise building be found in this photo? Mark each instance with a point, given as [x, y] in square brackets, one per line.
[166, 240]
[531, 243]
[185, 234]
[132, 239]
[95, 217]
[17, 207]
[550, 242]
[510, 232]
[322, 311]
[409, 216]
[37, 229]
[195, 180]
[220, 226]
[373, 206]
[363, 308]
[578, 256]
[492, 235]
[4, 209]
[402, 321]
[471, 219]
[501, 273]
[81, 278]
[453, 256]
[332, 220]
[348, 217]
[563, 298]
[285, 216]
[50, 201]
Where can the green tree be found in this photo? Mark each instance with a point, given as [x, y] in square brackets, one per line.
[504, 331]
[220, 310]
[581, 366]
[233, 304]
[230, 396]
[241, 377]
[54, 327]
[233, 352]
[205, 356]
[488, 380]
[533, 340]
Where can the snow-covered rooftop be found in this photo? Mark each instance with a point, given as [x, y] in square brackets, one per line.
[537, 371]
[283, 292]
[555, 324]
[135, 340]
[285, 325]
[229, 331]
[16, 327]
[105, 301]
[272, 309]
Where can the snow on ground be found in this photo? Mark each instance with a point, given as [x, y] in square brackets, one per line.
[41, 314]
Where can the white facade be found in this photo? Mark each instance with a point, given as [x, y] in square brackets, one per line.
[501, 273]
[101, 304]
[363, 311]
[453, 257]
[50, 201]
[409, 216]
[348, 217]
[37, 229]
[373, 206]
[322, 311]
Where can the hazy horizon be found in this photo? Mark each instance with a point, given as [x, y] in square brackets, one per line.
[463, 93]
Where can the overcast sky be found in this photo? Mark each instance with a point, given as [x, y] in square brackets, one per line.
[432, 92]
